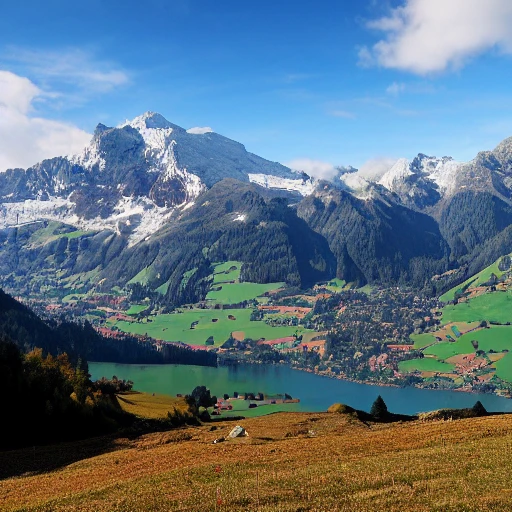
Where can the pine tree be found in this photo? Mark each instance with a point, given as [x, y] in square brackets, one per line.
[379, 409]
[479, 409]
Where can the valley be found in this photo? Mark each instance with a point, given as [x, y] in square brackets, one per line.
[184, 247]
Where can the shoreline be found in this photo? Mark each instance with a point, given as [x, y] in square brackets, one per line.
[391, 385]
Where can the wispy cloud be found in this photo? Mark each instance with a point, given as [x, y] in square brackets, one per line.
[426, 36]
[316, 168]
[25, 138]
[375, 168]
[345, 114]
[396, 88]
[72, 67]
[291, 78]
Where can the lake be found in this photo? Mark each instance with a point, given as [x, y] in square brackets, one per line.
[316, 393]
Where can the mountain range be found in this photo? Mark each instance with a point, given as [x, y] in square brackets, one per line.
[149, 196]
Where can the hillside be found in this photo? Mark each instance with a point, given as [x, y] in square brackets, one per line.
[471, 346]
[151, 197]
[289, 462]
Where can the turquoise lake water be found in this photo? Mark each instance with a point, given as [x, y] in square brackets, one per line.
[316, 393]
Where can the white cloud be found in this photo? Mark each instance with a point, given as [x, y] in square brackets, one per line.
[425, 36]
[73, 66]
[316, 168]
[200, 130]
[375, 168]
[26, 139]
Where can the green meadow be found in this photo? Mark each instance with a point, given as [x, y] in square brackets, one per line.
[493, 307]
[476, 280]
[226, 272]
[233, 293]
[425, 364]
[210, 322]
[504, 367]
[497, 338]
[422, 340]
[135, 309]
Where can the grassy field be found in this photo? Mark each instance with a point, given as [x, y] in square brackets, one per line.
[228, 271]
[336, 285]
[289, 462]
[177, 326]
[54, 231]
[241, 408]
[422, 340]
[234, 293]
[425, 364]
[142, 277]
[493, 307]
[147, 405]
[135, 309]
[497, 338]
[504, 367]
[476, 280]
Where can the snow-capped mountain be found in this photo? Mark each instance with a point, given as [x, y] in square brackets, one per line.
[133, 177]
[428, 181]
[422, 182]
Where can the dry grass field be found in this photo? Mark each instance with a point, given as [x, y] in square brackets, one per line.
[153, 406]
[289, 462]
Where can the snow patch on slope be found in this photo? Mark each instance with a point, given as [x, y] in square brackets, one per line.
[139, 217]
[136, 217]
[199, 130]
[397, 174]
[89, 158]
[302, 186]
[443, 172]
[31, 210]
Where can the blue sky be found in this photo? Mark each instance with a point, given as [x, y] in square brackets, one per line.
[357, 82]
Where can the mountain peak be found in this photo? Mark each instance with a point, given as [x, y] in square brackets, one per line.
[151, 120]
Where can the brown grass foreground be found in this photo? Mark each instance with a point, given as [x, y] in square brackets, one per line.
[289, 462]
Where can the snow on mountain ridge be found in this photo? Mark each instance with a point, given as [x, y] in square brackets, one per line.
[398, 173]
[441, 171]
[303, 186]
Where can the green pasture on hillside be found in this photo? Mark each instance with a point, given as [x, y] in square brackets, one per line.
[336, 285]
[228, 271]
[53, 231]
[135, 309]
[233, 293]
[422, 340]
[504, 367]
[177, 326]
[425, 364]
[497, 338]
[476, 280]
[143, 277]
[493, 307]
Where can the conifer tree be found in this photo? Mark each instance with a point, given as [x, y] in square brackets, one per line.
[379, 409]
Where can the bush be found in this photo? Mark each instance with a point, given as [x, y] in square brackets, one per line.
[340, 409]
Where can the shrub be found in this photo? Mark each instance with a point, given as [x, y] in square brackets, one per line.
[340, 409]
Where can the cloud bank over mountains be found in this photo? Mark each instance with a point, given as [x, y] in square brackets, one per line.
[429, 36]
[26, 138]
